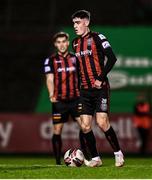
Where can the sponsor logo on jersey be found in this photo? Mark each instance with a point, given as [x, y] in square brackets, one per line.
[89, 41]
[59, 61]
[70, 69]
[73, 59]
[84, 53]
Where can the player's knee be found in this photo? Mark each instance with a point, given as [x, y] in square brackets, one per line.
[103, 121]
[86, 128]
[57, 129]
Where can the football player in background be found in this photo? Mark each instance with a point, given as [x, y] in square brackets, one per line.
[62, 82]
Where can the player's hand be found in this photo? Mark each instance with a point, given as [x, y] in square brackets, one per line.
[98, 84]
[53, 99]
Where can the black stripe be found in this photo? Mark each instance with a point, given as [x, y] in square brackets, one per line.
[67, 77]
[84, 65]
[60, 77]
[92, 63]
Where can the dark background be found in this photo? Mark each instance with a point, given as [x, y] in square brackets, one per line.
[26, 27]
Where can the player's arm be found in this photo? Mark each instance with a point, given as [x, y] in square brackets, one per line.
[50, 85]
[111, 60]
[49, 73]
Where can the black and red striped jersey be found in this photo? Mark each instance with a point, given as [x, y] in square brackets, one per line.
[91, 51]
[65, 70]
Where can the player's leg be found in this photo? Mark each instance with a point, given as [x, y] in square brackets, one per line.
[57, 141]
[90, 141]
[87, 112]
[59, 118]
[83, 144]
[75, 108]
[103, 122]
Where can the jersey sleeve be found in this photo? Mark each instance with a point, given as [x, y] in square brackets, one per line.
[48, 66]
[108, 52]
[104, 42]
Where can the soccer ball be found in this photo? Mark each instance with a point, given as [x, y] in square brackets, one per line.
[74, 158]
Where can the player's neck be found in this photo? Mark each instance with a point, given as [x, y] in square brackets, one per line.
[86, 32]
[63, 54]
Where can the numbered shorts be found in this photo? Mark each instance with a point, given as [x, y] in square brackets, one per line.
[94, 100]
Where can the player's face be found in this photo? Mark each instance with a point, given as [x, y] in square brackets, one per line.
[62, 44]
[80, 26]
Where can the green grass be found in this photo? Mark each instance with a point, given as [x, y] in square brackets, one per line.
[44, 167]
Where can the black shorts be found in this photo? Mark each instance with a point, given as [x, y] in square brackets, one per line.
[95, 100]
[63, 109]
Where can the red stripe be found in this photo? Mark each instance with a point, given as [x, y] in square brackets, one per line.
[84, 82]
[88, 65]
[96, 58]
[71, 74]
[63, 83]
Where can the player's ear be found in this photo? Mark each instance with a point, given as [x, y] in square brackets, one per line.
[87, 22]
[55, 44]
[68, 43]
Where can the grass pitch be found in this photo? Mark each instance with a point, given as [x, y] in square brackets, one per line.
[44, 167]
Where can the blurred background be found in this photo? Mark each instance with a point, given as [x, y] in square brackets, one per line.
[26, 30]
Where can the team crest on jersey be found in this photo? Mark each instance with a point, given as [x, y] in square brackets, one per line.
[89, 41]
[73, 59]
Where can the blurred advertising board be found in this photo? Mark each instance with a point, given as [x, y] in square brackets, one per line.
[31, 133]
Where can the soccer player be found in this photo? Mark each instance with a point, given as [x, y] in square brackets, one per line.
[96, 59]
[63, 86]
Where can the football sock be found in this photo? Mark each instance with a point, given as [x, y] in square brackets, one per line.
[57, 145]
[91, 143]
[83, 145]
[112, 138]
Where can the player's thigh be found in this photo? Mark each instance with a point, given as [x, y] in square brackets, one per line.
[59, 113]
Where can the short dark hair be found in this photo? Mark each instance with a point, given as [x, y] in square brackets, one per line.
[81, 14]
[60, 34]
